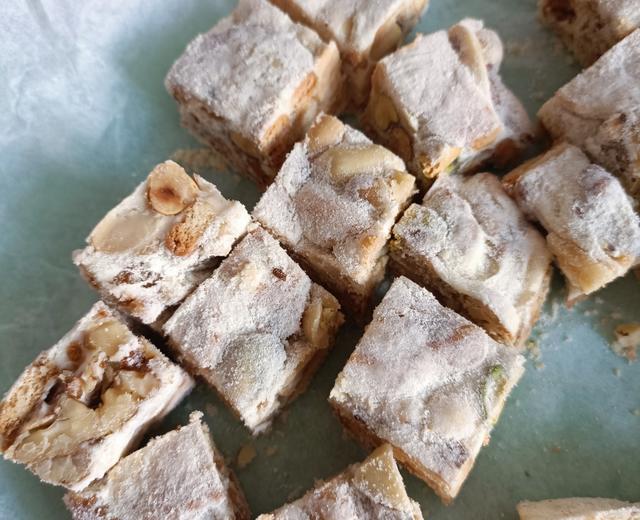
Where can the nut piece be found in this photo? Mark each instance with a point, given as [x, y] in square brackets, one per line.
[447, 156]
[107, 337]
[401, 142]
[327, 132]
[379, 476]
[183, 238]
[384, 112]
[118, 234]
[346, 162]
[170, 189]
[471, 53]
[387, 39]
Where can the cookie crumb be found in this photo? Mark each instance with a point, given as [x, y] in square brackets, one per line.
[627, 341]
[245, 456]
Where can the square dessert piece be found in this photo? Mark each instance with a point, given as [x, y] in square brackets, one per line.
[257, 330]
[333, 205]
[593, 231]
[589, 28]
[370, 490]
[579, 509]
[599, 111]
[440, 104]
[87, 400]
[364, 31]
[470, 245]
[427, 381]
[178, 475]
[252, 85]
[149, 252]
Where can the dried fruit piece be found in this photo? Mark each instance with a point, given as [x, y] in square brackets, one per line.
[170, 189]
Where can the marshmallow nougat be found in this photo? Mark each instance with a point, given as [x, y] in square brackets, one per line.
[85, 402]
[364, 31]
[469, 243]
[599, 111]
[179, 475]
[253, 84]
[256, 330]
[592, 229]
[150, 251]
[579, 509]
[333, 205]
[372, 489]
[589, 28]
[441, 105]
[428, 382]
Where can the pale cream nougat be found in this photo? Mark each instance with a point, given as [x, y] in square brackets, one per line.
[364, 31]
[589, 28]
[470, 244]
[428, 382]
[333, 205]
[252, 85]
[599, 111]
[256, 330]
[593, 231]
[579, 509]
[179, 475]
[85, 402]
[372, 489]
[440, 103]
[150, 251]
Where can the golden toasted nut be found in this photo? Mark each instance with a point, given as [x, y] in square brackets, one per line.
[107, 337]
[384, 113]
[387, 39]
[328, 131]
[117, 234]
[170, 189]
[347, 162]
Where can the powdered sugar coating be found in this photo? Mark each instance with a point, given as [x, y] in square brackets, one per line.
[87, 400]
[177, 475]
[450, 97]
[248, 66]
[477, 241]
[146, 278]
[338, 220]
[579, 509]
[599, 111]
[353, 24]
[371, 489]
[427, 381]
[241, 329]
[582, 204]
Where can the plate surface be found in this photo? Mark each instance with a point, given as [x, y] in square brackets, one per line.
[85, 116]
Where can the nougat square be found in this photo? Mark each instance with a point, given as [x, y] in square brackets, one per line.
[579, 509]
[441, 105]
[150, 251]
[428, 382]
[364, 31]
[257, 330]
[333, 205]
[592, 228]
[85, 402]
[252, 85]
[599, 111]
[368, 490]
[589, 28]
[469, 243]
[180, 474]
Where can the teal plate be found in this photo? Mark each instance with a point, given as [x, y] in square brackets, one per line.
[85, 116]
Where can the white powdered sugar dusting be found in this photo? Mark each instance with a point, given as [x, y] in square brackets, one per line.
[247, 68]
[478, 242]
[428, 381]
